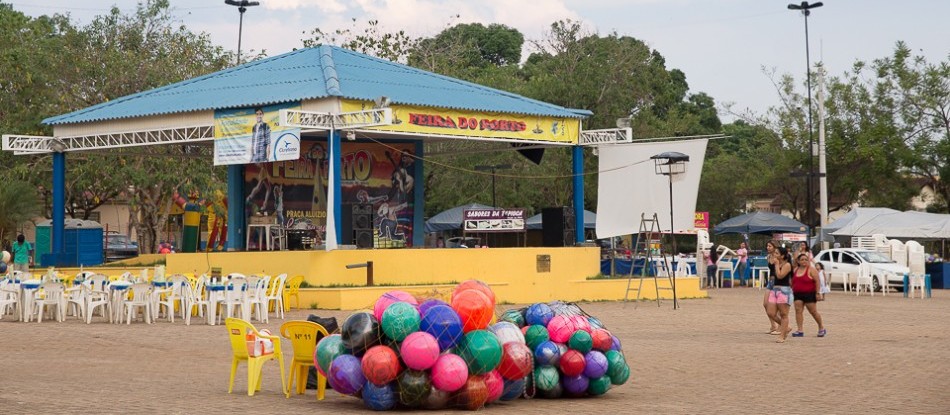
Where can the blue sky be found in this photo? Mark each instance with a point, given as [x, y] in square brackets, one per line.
[721, 45]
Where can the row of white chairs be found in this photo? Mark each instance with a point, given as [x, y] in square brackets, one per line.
[127, 299]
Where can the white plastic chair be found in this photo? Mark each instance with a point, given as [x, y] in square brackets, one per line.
[173, 294]
[194, 298]
[916, 282]
[141, 298]
[52, 296]
[257, 299]
[235, 296]
[864, 281]
[75, 300]
[276, 295]
[97, 295]
[9, 297]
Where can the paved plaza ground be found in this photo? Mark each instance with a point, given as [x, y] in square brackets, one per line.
[881, 355]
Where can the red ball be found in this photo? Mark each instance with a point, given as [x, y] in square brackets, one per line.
[572, 363]
[477, 286]
[495, 385]
[380, 365]
[517, 361]
[474, 309]
[602, 339]
[473, 395]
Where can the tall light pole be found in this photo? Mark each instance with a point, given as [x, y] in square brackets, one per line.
[805, 8]
[492, 169]
[669, 164]
[242, 6]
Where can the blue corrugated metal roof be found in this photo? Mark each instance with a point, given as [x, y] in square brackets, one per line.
[313, 73]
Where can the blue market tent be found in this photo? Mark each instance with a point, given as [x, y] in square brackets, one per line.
[760, 222]
[590, 221]
[451, 219]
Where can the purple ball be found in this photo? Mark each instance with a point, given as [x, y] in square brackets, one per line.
[615, 343]
[596, 364]
[575, 385]
[346, 374]
[427, 304]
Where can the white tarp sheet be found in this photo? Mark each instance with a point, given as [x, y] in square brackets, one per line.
[896, 224]
[628, 186]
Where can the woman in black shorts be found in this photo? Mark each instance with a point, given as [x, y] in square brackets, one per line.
[806, 290]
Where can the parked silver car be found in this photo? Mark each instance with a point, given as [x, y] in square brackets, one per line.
[838, 261]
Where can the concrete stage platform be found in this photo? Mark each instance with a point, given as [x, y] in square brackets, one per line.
[517, 275]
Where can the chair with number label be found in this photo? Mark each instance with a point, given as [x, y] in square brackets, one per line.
[303, 336]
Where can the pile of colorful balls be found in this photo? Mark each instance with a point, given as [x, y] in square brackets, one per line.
[434, 355]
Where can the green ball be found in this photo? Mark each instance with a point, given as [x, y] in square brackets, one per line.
[400, 320]
[615, 363]
[513, 316]
[546, 378]
[414, 387]
[598, 386]
[581, 341]
[481, 351]
[621, 376]
[328, 349]
[536, 335]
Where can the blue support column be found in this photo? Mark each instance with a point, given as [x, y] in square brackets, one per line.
[336, 163]
[418, 211]
[58, 246]
[578, 164]
[236, 219]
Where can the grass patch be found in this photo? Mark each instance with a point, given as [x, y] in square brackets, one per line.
[314, 305]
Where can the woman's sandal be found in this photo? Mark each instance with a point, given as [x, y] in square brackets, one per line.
[822, 332]
[775, 332]
[780, 341]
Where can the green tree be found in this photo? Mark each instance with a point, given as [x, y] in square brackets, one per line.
[19, 204]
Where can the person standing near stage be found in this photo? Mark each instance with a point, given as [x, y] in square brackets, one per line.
[260, 138]
[743, 256]
[780, 296]
[22, 255]
[807, 289]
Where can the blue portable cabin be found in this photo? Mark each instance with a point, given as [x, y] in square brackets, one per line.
[83, 244]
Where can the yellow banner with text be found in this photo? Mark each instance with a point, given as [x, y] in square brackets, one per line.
[430, 120]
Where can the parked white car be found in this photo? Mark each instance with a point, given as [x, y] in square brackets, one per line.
[848, 260]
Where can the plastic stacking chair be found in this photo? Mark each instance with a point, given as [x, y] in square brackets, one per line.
[52, 297]
[293, 290]
[9, 297]
[98, 295]
[257, 298]
[141, 298]
[303, 337]
[195, 301]
[173, 294]
[276, 295]
[237, 332]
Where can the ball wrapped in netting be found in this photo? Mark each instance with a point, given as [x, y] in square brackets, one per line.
[456, 352]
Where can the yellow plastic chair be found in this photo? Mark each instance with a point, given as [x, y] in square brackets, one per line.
[237, 332]
[293, 290]
[303, 337]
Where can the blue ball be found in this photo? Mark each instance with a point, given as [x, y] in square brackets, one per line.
[3, 267]
[538, 313]
[379, 398]
[547, 354]
[443, 323]
[513, 389]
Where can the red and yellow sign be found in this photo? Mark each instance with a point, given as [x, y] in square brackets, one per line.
[430, 120]
[701, 220]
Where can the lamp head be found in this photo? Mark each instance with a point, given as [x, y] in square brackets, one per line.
[57, 145]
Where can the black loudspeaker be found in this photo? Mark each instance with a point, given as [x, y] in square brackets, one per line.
[358, 225]
[558, 226]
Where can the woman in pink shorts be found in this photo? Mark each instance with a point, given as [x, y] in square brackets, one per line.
[780, 296]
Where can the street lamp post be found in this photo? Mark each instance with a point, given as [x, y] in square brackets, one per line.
[669, 164]
[242, 6]
[492, 169]
[805, 8]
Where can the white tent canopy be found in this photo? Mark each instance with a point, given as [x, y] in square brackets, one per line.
[893, 224]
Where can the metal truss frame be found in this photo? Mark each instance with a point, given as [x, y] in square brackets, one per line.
[606, 136]
[31, 144]
[341, 121]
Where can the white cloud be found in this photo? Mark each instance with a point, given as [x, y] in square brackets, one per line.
[326, 6]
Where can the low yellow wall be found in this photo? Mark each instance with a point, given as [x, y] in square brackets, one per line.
[513, 273]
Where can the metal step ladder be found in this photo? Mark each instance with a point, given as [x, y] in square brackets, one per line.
[649, 229]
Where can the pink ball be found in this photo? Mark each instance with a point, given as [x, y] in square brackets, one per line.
[560, 328]
[449, 373]
[495, 384]
[419, 350]
[580, 323]
[391, 297]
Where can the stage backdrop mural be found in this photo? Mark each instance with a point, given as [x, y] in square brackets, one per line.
[295, 191]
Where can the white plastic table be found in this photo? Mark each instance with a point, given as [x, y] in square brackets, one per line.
[27, 292]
